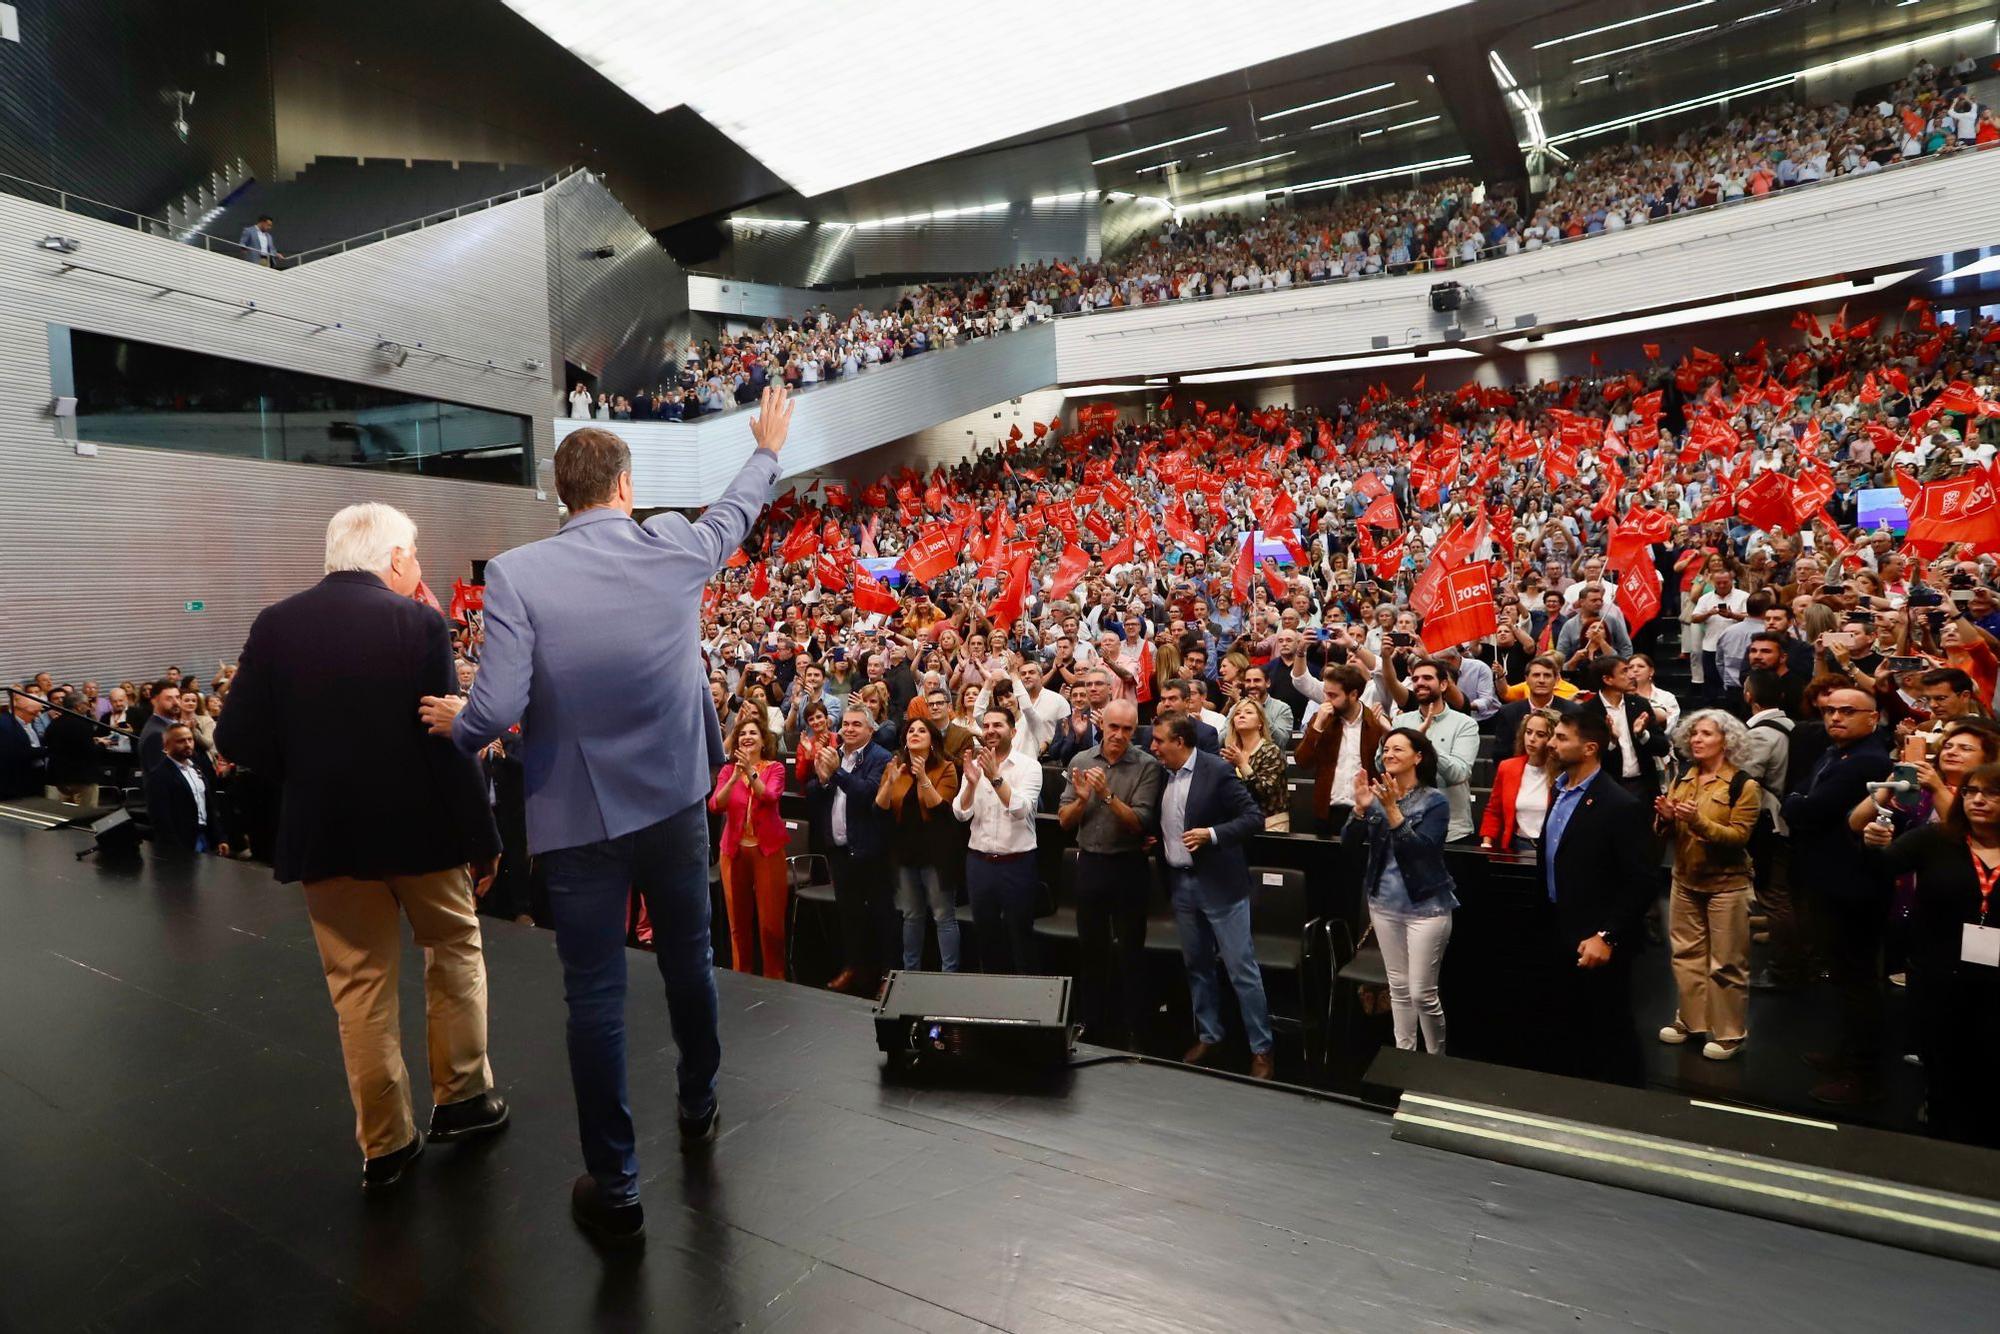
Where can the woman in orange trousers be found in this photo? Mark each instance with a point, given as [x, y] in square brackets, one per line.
[753, 845]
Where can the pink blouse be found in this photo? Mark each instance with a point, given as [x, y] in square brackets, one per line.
[756, 801]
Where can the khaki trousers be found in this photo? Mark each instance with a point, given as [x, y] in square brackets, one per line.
[357, 924]
[1710, 935]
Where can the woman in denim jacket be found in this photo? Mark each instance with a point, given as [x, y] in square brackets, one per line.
[1402, 817]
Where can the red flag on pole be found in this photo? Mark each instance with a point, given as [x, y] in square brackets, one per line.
[870, 595]
[829, 571]
[934, 552]
[1070, 569]
[760, 582]
[1639, 594]
[1464, 609]
[1005, 609]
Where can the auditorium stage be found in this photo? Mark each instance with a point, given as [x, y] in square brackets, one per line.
[176, 1139]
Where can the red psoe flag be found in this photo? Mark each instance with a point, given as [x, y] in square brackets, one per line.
[934, 552]
[1246, 569]
[1005, 609]
[828, 570]
[1070, 569]
[1639, 594]
[1464, 609]
[870, 595]
[760, 582]
[1119, 554]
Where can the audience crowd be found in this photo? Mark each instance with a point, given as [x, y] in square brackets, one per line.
[1433, 226]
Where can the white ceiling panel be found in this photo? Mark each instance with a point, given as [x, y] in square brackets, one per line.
[832, 92]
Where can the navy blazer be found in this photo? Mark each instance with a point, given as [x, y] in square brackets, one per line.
[1604, 880]
[608, 607]
[23, 765]
[170, 804]
[324, 705]
[1217, 800]
[1822, 845]
[868, 825]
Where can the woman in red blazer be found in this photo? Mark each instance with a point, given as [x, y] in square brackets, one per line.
[1520, 798]
[753, 845]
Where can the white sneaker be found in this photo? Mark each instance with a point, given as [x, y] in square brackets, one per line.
[1673, 1035]
[1722, 1051]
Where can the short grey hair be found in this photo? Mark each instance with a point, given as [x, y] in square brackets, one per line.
[1734, 734]
[362, 537]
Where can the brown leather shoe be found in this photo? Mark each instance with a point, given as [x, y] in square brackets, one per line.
[842, 981]
[1261, 1065]
[1197, 1054]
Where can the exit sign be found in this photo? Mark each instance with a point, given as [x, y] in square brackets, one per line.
[196, 605]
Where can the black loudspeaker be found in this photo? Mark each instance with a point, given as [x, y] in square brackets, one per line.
[117, 837]
[975, 1020]
[1446, 296]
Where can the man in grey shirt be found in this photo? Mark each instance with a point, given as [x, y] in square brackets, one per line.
[1111, 805]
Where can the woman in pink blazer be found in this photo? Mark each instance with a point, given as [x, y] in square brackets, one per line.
[753, 845]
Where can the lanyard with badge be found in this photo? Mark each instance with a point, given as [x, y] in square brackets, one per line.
[1978, 942]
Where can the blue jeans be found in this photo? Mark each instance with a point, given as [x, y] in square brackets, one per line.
[921, 892]
[589, 896]
[1205, 933]
[1003, 912]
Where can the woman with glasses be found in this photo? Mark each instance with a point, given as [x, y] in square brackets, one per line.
[1955, 955]
[1710, 810]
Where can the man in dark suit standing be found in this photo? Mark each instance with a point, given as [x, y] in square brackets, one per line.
[24, 761]
[854, 833]
[1638, 734]
[166, 712]
[379, 822]
[1592, 863]
[180, 797]
[1174, 699]
[1206, 816]
[1851, 898]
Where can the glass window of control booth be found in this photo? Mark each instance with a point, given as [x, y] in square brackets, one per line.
[157, 397]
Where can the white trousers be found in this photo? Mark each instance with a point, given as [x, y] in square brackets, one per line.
[1413, 956]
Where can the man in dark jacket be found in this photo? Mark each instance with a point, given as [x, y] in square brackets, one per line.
[379, 820]
[24, 761]
[1851, 897]
[1206, 817]
[181, 797]
[854, 834]
[1592, 861]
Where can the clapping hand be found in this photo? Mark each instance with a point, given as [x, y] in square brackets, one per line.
[825, 760]
[1364, 795]
[1232, 753]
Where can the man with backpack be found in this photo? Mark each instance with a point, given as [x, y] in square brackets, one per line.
[1767, 750]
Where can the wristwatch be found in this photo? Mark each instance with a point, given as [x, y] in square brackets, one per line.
[1605, 936]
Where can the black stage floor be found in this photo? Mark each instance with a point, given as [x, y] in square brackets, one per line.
[175, 1134]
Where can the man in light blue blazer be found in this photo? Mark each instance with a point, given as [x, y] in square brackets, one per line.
[615, 796]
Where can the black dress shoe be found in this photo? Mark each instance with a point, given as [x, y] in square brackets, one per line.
[698, 1132]
[480, 1115]
[385, 1171]
[611, 1224]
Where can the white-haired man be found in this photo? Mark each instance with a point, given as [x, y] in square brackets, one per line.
[380, 821]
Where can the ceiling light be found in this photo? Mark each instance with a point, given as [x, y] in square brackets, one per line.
[1215, 171]
[1714, 310]
[1329, 101]
[1989, 264]
[1095, 390]
[1595, 78]
[1381, 174]
[1043, 201]
[1159, 166]
[1335, 365]
[1760, 14]
[1363, 115]
[1421, 120]
[1164, 143]
[768, 222]
[1368, 134]
[1623, 23]
[1966, 31]
[1650, 41]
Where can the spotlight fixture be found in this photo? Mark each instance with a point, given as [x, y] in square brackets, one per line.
[67, 245]
[602, 252]
[392, 354]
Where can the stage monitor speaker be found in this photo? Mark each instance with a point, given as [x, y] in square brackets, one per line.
[116, 837]
[1446, 296]
[975, 1019]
